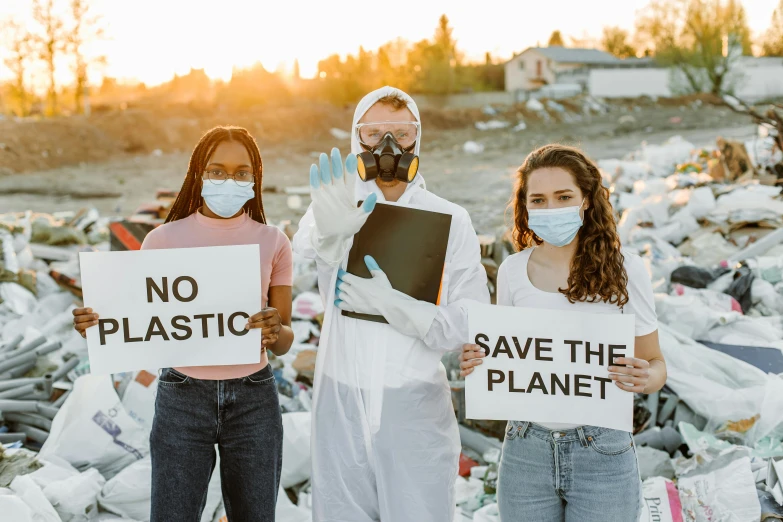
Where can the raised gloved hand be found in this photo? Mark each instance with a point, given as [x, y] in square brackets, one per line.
[377, 297]
[337, 218]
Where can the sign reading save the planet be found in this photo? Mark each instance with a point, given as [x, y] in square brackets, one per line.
[549, 366]
[173, 307]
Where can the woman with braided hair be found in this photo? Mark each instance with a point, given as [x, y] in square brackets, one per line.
[235, 406]
[570, 259]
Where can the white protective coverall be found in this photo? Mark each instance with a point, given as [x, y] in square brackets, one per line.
[385, 442]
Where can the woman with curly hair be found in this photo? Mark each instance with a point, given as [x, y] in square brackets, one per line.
[570, 259]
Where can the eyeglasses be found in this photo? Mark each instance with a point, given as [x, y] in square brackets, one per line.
[243, 178]
[405, 132]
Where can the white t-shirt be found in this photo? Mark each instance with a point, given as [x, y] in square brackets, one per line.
[515, 289]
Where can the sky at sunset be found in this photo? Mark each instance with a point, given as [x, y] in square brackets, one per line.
[153, 39]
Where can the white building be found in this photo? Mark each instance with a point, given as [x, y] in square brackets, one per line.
[539, 67]
[752, 79]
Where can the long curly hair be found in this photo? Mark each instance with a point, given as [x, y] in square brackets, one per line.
[190, 200]
[597, 272]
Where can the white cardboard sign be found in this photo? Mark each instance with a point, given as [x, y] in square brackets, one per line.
[549, 366]
[172, 307]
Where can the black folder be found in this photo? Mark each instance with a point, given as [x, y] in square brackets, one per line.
[409, 245]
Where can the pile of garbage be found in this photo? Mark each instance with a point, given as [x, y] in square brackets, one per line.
[707, 222]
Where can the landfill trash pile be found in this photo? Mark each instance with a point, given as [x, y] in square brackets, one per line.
[707, 222]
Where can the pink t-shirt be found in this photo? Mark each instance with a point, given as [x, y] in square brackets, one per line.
[197, 230]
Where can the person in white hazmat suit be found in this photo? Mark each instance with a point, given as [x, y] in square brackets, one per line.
[385, 442]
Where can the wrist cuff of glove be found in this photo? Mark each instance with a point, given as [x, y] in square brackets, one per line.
[331, 249]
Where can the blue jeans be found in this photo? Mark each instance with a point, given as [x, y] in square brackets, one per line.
[587, 474]
[242, 416]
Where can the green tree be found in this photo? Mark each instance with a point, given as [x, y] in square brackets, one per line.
[556, 39]
[773, 38]
[702, 39]
[615, 41]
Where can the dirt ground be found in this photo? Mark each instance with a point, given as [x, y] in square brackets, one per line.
[118, 184]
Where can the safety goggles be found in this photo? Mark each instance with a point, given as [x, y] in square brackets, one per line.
[405, 132]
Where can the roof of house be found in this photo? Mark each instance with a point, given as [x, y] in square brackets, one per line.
[574, 55]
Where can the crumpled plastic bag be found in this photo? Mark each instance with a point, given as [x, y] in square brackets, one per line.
[47, 229]
[129, 493]
[76, 498]
[748, 331]
[693, 276]
[701, 202]
[765, 298]
[654, 463]
[722, 489]
[93, 429]
[688, 315]
[713, 300]
[661, 501]
[711, 249]
[663, 159]
[721, 388]
[296, 448]
[749, 204]
[139, 397]
[30, 493]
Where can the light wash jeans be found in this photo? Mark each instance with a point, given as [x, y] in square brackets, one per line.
[588, 474]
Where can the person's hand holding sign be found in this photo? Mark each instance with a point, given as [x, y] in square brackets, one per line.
[270, 323]
[630, 374]
[471, 356]
[83, 318]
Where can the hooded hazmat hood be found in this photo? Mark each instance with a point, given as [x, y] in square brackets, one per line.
[363, 188]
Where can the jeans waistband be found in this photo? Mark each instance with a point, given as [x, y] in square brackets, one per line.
[579, 434]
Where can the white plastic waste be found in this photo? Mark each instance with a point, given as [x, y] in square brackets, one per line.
[129, 493]
[720, 387]
[93, 429]
[701, 202]
[661, 501]
[492, 125]
[139, 397]
[30, 493]
[473, 147]
[722, 489]
[307, 305]
[76, 498]
[296, 448]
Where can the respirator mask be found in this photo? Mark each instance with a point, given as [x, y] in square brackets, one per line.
[388, 150]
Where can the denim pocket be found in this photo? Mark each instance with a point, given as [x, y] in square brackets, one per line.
[170, 376]
[611, 442]
[262, 376]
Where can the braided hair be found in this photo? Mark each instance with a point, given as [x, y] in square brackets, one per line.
[190, 200]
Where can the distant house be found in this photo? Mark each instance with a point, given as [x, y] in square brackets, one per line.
[538, 67]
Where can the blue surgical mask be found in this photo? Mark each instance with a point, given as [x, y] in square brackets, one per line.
[556, 226]
[226, 199]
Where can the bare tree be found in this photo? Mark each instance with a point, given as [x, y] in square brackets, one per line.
[86, 28]
[50, 43]
[18, 42]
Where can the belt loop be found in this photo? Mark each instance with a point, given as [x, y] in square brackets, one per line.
[523, 428]
[582, 437]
